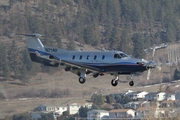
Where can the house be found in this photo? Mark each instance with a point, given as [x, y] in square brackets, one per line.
[151, 96]
[74, 107]
[128, 92]
[150, 112]
[136, 95]
[161, 96]
[97, 115]
[169, 104]
[170, 97]
[136, 104]
[158, 96]
[141, 95]
[143, 112]
[121, 113]
[56, 109]
[132, 95]
[160, 112]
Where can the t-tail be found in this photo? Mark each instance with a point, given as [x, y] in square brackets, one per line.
[38, 52]
[34, 46]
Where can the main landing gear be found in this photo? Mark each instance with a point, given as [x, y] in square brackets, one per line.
[82, 80]
[82, 76]
[114, 81]
[131, 83]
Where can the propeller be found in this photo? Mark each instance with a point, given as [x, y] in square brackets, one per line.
[150, 66]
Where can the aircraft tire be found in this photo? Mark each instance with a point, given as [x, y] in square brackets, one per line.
[82, 80]
[131, 83]
[114, 82]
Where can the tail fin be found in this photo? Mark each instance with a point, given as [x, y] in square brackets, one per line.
[34, 45]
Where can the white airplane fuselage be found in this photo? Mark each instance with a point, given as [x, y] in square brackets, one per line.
[86, 62]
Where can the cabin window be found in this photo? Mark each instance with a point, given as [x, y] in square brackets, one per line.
[103, 57]
[87, 57]
[73, 57]
[117, 56]
[80, 57]
[95, 57]
[123, 55]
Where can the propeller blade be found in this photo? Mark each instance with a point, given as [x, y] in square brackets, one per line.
[148, 74]
[159, 68]
[153, 54]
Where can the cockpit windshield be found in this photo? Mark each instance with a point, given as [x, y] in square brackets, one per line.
[119, 55]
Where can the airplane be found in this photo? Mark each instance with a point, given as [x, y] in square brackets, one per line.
[83, 63]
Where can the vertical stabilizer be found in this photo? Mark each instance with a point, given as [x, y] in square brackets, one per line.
[33, 43]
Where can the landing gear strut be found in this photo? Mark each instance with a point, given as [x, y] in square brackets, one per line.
[114, 81]
[82, 76]
[131, 83]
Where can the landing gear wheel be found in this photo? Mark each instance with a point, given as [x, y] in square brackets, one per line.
[82, 80]
[114, 82]
[131, 83]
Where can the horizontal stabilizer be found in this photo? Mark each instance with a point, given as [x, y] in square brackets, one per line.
[32, 35]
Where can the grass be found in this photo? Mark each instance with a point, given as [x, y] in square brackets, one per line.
[61, 80]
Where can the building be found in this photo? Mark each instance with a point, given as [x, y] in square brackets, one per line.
[169, 104]
[143, 112]
[161, 96]
[151, 96]
[97, 115]
[141, 95]
[74, 107]
[136, 95]
[157, 96]
[46, 108]
[170, 97]
[121, 113]
[136, 104]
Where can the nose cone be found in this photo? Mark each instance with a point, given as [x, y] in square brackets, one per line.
[152, 64]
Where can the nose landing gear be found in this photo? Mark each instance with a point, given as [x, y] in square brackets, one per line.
[114, 81]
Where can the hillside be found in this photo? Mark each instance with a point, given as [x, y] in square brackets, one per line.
[89, 25]
[112, 25]
[130, 26]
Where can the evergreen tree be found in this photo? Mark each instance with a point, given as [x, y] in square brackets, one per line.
[171, 34]
[71, 45]
[97, 99]
[90, 37]
[48, 116]
[138, 42]
[14, 59]
[126, 43]
[4, 62]
[83, 112]
[6, 69]
[24, 116]
[114, 39]
[176, 74]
